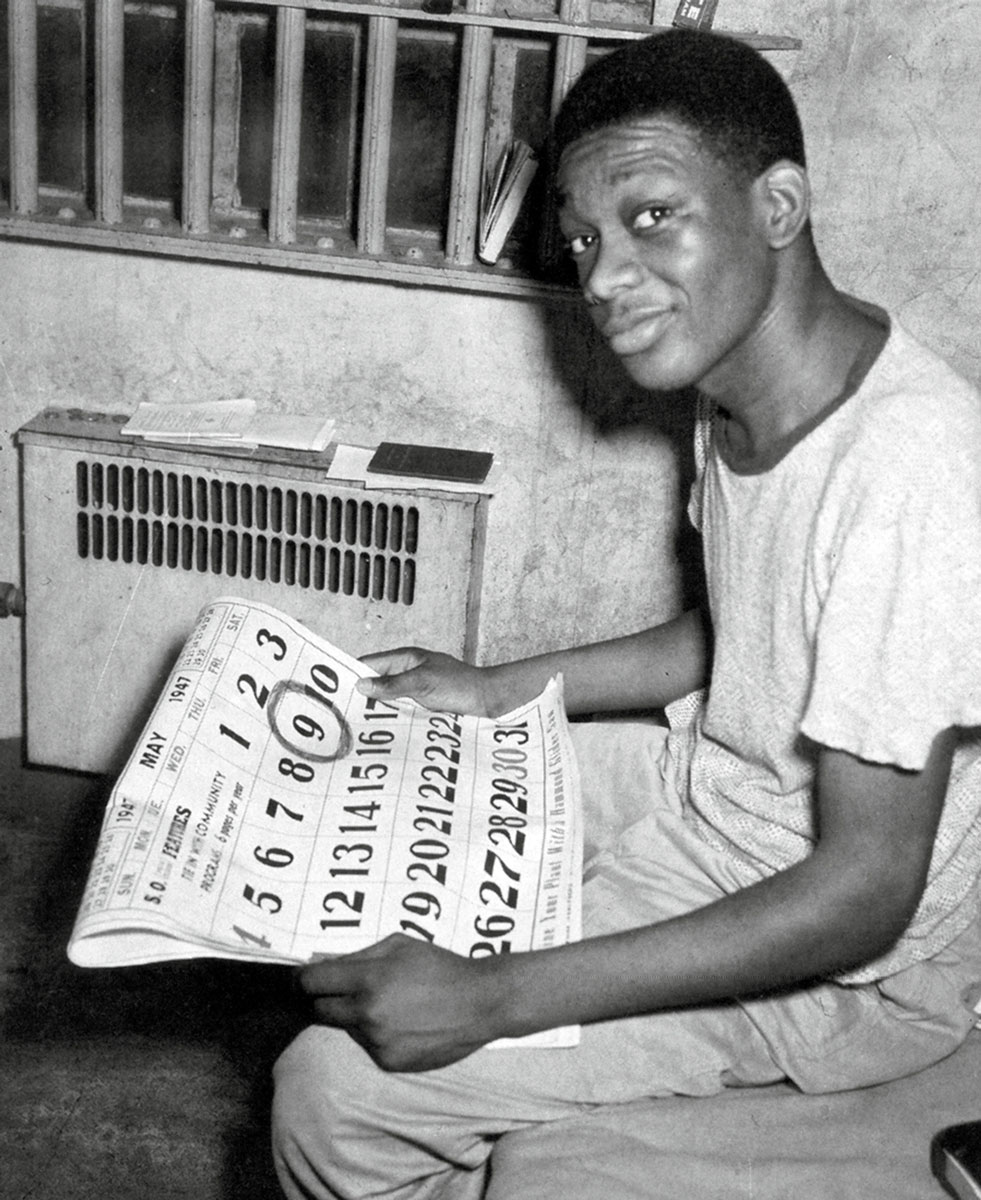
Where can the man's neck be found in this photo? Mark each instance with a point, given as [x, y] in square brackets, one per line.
[804, 357]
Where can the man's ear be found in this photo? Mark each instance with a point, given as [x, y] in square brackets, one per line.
[784, 193]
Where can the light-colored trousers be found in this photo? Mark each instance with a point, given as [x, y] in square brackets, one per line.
[344, 1129]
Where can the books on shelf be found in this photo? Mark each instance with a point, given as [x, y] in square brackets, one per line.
[504, 193]
[695, 14]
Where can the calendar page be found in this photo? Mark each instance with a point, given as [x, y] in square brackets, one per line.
[271, 812]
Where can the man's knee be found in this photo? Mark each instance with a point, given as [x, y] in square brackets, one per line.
[320, 1068]
[315, 1078]
[342, 1127]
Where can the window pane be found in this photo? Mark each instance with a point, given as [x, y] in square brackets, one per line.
[530, 123]
[532, 95]
[153, 105]
[422, 132]
[327, 129]
[61, 99]
[327, 125]
[257, 55]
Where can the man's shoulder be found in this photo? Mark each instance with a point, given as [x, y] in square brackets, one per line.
[909, 367]
[913, 392]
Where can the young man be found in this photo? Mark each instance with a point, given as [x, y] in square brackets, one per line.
[795, 894]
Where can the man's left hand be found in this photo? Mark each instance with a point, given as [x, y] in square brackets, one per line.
[410, 1005]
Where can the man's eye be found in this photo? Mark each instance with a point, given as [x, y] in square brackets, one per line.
[650, 218]
[579, 244]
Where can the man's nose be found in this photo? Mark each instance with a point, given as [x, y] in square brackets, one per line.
[614, 268]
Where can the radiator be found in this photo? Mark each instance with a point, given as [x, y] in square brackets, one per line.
[124, 542]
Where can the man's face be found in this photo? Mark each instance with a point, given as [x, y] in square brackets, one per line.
[671, 250]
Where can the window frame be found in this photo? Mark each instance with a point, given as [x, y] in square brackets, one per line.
[210, 224]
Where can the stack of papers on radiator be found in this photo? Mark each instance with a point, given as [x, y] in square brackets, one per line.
[228, 423]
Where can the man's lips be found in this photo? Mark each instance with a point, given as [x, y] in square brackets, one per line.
[629, 333]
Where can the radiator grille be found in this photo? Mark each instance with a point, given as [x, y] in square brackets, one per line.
[192, 522]
[125, 543]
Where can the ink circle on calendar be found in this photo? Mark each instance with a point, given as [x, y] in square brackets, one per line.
[306, 723]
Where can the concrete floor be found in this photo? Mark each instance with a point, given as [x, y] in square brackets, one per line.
[142, 1083]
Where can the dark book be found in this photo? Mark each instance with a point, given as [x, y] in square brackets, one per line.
[695, 14]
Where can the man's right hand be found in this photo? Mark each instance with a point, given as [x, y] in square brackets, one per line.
[437, 681]
[647, 669]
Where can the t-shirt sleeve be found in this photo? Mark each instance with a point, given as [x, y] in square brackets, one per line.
[896, 567]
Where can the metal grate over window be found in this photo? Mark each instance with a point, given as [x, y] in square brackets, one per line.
[280, 535]
[347, 137]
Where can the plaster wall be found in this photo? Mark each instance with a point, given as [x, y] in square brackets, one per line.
[584, 523]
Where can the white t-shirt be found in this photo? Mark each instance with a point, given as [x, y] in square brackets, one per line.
[844, 581]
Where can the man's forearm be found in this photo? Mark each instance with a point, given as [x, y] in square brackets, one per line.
[779, 933]
[642, 670]
[843, 905]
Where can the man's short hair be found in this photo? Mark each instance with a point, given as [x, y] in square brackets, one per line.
[720, 88]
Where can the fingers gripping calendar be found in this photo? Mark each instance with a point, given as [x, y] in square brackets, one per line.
[271, 812]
